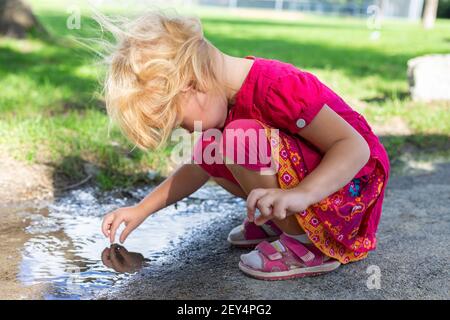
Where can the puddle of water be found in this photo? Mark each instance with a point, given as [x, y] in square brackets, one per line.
[68, 251]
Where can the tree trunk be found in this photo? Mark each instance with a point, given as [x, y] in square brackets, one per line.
[429, 13]
[16, 19]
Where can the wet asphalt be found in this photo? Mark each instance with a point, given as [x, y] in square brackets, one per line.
[412, 257]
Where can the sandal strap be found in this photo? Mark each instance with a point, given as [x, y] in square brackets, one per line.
[271, 228]
[252, 231]
[310, 256]
[269, 251]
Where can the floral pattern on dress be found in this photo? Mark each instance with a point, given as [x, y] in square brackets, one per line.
[336, 224]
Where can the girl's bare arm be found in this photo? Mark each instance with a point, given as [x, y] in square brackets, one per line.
[345, 153]
[184, 181]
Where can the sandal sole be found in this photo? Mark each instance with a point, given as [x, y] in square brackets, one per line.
[250, 243]
[290, 274]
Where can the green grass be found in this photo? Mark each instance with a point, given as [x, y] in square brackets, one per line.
[50, 114]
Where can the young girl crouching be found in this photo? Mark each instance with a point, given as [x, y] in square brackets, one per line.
[289, 145]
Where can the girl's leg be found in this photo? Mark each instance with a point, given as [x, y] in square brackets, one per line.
[250, 180]
[249, 176]
[231, 187]
[292, 254]
[217, 171]
[247, 234]
[250, 234]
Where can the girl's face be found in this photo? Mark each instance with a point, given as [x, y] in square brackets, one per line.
[209, 109]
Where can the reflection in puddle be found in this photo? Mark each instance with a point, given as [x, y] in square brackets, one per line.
[68, 250]
[117, 257]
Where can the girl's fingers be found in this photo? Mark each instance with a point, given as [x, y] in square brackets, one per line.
[106, 225]
[252, 199]
[279, 211]
[265, 207]
[114, 226]
[126, 232]
[260, 220]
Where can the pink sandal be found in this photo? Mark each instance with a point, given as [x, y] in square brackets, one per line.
[286, 258]
[249, 234]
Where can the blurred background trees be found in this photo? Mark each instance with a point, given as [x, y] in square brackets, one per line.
[16, 19]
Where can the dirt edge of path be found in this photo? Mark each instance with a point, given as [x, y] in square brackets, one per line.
[21, 186]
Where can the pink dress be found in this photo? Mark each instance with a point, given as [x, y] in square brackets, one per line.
[279, 95]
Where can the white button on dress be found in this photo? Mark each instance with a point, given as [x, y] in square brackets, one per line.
[301, 123]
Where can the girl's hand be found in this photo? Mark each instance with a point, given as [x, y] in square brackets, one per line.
[131, 216]
[275, 203]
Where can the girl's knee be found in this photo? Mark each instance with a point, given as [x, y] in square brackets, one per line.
[244, 124]
[206, 155]
[198, 156]
[244, 142]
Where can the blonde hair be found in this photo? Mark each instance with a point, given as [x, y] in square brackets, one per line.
[153, 58]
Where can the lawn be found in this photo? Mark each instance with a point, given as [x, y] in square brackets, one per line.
[51, 111]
